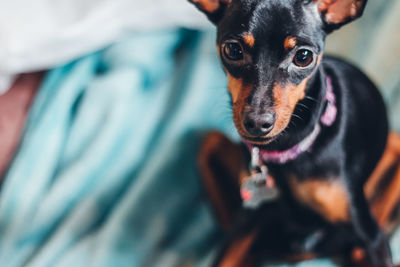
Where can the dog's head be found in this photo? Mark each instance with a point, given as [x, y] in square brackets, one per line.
[269, 50]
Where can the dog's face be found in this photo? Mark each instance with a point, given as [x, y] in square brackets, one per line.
[269, 50]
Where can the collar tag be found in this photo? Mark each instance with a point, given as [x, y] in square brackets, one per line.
[259, 187]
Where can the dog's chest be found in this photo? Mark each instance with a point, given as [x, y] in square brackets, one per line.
[327, 197]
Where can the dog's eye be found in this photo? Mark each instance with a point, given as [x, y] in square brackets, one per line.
[232, 50]
[303, 58]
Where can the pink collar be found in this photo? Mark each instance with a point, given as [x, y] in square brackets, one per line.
[327, 119]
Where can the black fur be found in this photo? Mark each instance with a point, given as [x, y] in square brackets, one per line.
[348, 150]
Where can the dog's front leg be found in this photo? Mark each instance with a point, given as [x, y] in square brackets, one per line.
[368, 231]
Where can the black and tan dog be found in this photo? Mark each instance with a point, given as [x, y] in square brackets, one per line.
[321, 128]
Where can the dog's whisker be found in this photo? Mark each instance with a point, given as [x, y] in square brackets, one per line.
[302, 105]
[312, 99]
[297, 116]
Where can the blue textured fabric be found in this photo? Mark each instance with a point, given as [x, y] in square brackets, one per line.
[106, 174]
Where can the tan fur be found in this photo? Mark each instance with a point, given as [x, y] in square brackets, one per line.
[384, 202]
[238, 253]
[327, 197]
[286, 99]
[235, 86]
[339, 11]
[239, 92]
[290, 43]
[217, 149]
[249, 40]
[209, 6]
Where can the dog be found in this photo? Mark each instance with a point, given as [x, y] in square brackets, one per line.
[320, 126]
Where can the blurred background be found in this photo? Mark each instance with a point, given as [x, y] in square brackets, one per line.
[373, 43]
[103, 107]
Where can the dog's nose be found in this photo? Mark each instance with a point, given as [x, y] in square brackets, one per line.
[259, 124]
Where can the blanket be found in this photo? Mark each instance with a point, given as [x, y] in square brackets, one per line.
[106, 173]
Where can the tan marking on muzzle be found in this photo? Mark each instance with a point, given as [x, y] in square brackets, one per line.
[239, 92]
[286, 99]
[235, 86]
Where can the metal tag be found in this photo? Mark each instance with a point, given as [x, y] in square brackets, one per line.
[259, 187]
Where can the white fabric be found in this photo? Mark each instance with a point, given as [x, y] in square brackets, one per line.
[41, 34]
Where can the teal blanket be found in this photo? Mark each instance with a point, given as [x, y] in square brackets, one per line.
[106, 174]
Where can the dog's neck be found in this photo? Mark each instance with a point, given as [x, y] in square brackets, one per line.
[306, 115]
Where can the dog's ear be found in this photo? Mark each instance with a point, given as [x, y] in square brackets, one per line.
[214, 9]
[336, 13]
